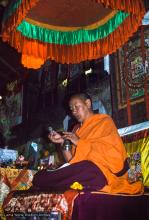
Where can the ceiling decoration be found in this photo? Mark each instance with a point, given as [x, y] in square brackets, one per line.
[69, 31]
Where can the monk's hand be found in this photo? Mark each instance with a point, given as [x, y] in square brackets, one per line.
[55, 137]
[71, 136]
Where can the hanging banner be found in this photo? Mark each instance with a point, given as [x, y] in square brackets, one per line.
[14, 108]
[11, 109]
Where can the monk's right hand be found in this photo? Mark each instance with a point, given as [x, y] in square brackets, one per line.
[55, 137]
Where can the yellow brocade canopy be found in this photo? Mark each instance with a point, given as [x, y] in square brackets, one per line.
[69, 31]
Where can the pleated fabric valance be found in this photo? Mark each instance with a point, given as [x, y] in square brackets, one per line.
[69, 31]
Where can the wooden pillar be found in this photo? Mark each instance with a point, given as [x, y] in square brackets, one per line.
[79, 84]
[54, 82]
[129, 115]
[68, 77]
[144, 58]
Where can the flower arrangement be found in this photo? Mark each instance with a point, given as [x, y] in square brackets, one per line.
[76, 186]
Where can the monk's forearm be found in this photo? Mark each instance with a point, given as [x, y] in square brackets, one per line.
[67, 155]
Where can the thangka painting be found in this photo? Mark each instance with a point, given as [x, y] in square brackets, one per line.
[14, 108]
[132, 62]
[11, 109]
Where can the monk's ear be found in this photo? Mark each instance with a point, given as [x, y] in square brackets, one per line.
[88, 103]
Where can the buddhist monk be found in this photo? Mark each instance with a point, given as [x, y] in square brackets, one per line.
[98, 160]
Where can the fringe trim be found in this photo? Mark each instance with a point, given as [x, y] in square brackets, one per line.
[35, 53]
[135, 7]
[82, 35]
[14, 20]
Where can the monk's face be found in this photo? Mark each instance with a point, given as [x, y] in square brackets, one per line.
[80, 109]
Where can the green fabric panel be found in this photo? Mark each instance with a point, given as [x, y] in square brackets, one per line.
[71, 37]
[14, 5]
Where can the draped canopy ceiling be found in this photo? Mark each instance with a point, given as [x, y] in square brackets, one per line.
[69, 31]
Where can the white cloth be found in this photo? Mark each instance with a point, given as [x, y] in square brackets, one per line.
[97, 105]
[65, 122]
[133, 128]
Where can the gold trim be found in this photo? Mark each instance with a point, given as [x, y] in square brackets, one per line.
[133, 102]
[115, 194]
[64, 28]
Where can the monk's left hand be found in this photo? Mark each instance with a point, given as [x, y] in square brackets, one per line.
[71, 136]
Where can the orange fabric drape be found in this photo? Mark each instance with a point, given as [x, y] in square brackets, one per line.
[34, 53]
[100, 143]
[15, 19]
[131, 6]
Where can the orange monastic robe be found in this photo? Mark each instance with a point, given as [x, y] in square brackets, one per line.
[100, 143]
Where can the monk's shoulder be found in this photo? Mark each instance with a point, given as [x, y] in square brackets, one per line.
[103, 117]
[105, 120]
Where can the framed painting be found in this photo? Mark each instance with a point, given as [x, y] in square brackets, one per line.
[132, 68]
